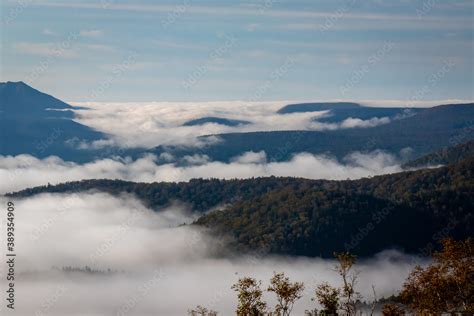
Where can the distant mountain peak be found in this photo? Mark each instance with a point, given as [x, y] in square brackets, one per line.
[16, 85]
[18, 99]
[30, 119]
[317, 106]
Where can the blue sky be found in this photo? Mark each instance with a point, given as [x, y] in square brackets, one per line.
[117, 50]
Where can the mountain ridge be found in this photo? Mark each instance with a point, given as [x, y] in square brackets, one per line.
[20, 100]
[429, 130]
[317, 106]
[27, 122]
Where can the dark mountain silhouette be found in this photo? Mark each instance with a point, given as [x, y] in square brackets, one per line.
[420, 134]
[18, 100]
[38, 124]
[41, 125]
[216, 120]
[340, 111]
[318, 106]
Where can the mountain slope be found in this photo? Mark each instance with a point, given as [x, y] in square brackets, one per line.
[444, 156]
[18, 100]
[40, 125]
[405, 211]
[340, 111]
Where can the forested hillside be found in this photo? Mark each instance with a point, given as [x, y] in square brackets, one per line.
[408, 210]
[200, 194]
[316, 217]
[444, 156]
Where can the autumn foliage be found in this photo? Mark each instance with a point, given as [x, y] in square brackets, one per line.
[445, 286]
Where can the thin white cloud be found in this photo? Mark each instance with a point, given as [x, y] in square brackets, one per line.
[244, 11]
[97, 47]
[44, 49]
[47, 31]
[91, 33]
[356, 122]
[351, 123]
[353, 25]
[252, 26]
[251, 158]
[174, 44]
[66, 49]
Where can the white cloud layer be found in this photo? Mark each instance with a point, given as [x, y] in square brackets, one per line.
[157, 123]
[25, 171]
[350, 123]
[159, 268]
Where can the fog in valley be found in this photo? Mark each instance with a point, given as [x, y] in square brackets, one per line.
[96, 254]
[24, 171]
[172, 158]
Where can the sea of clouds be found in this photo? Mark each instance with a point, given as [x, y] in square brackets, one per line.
[152, 124]
[157, 265]
[23, 171]
[130, 125]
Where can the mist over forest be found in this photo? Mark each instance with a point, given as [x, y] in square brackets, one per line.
[249, 158]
